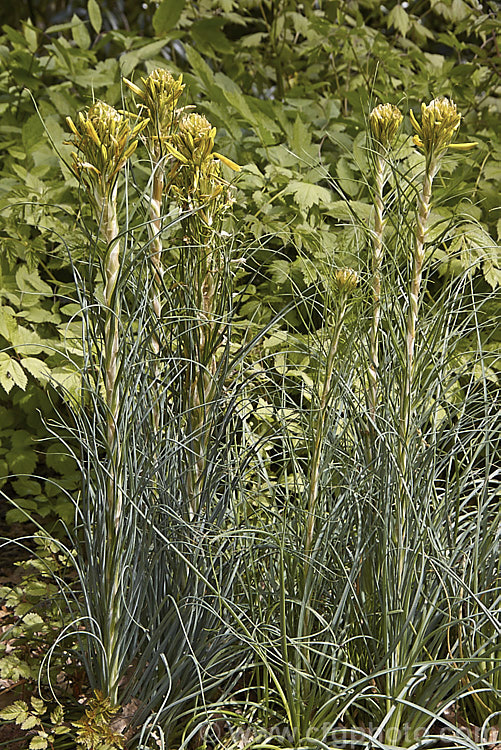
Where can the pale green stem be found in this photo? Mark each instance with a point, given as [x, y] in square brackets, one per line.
[109, 223]
[154, 228]
[407, 396]
[111, 272]
[201, 387]
[319, 428]
[377, 257]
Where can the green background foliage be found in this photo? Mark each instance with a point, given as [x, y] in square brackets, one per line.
[289, 88]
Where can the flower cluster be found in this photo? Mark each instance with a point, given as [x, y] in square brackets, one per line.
[196, 173]
[158, 100]
[385, 120]
[346, 280]
[104, 140]
[440, 122]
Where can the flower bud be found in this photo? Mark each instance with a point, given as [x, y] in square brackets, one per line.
[385, 120]
[346, 280]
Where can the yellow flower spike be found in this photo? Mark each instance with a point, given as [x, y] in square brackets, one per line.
[385, 120]
[440, 122]
[196, 177]
[104, 142]
[159, 98]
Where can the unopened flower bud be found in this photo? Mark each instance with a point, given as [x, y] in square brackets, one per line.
[385, 120]
[346, 280]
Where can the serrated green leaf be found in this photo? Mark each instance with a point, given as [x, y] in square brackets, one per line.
[31, 36]
[17, 711]
[32, 620]
[24, 487]
[26, 342]
[22, 459]
[39, 315]
[129, 60]
[167, 15]
[280, 271]
[57, 458]
[12, 668]
[37, 368]
[306, 194]
[30, 722]
[38, 743]
[492, 274]
[301, 137]
[57, 716]
[38, 705]
[68, 378]
[8, 323]
[11, 373]
[398, 18]
[30, 284]
[95, 17]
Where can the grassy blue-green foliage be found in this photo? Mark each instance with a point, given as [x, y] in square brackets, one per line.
[329, 564]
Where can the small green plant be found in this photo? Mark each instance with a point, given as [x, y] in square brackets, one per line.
[46, 726]
[38, 613]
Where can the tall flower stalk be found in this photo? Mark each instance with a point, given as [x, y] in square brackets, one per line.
[440, 122]
[197, 185]
[157, 101]
[385, 121]
[345, 280]
[104, 141]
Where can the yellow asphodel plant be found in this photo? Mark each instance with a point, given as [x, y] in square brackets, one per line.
[104, 140]
[434, 136]
[157, 101]
[440, 123]
[197, 185]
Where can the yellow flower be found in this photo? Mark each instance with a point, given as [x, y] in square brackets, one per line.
[385, 120]
[195, 176]
[104, 140]
[159, 97]
[440, 122]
